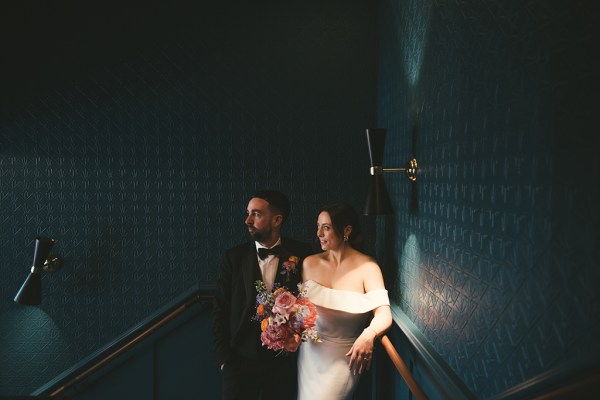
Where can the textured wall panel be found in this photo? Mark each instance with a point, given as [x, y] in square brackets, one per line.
[134, 135]
[498, 263]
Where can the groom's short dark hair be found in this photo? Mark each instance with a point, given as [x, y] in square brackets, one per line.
[276, 199]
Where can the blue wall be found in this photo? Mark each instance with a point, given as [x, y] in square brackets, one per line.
[134, 133]
[174, 362]
[497, 264]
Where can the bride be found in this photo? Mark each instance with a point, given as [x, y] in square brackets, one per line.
[348, 289]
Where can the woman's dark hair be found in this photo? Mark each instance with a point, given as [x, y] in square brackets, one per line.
[342, 214]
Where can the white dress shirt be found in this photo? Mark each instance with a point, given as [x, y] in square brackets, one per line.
[268, 266]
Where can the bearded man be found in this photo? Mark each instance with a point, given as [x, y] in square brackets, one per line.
[249, 370]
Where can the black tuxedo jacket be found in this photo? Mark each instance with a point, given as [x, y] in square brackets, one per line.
[234, 330]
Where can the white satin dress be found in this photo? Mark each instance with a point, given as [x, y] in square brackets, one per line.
[323, 372]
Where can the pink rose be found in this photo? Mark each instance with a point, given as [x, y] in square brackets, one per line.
[285, 304]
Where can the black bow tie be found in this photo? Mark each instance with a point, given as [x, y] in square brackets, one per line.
[264, 253]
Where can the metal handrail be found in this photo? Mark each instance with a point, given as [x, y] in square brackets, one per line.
[140, 334]
[130, 341]
[403, 370]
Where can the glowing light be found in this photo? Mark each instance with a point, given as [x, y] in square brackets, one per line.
[412, 35]
[36, 344]
[409, 271]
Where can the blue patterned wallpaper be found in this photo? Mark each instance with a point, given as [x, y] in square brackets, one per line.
[134, 134]
[494, 253]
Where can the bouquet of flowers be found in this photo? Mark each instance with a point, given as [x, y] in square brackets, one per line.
[285, 320]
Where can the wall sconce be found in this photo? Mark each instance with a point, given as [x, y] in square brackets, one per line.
[378, 199]
[31, 291]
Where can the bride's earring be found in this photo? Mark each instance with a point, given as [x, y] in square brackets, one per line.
[347, 233]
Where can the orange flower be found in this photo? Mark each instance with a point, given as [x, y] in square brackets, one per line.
[263, 324]
[275, 293]
[260, 310]
[293, 259]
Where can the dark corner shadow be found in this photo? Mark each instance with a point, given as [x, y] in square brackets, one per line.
[390, 261]
[20, 397]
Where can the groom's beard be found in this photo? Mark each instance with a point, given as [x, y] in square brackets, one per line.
[260, 236]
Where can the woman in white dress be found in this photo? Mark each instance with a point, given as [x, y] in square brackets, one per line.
[348, 290]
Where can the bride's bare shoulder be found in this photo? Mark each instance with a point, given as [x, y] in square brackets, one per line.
[313, 260]
[311, 267]
[365, 261]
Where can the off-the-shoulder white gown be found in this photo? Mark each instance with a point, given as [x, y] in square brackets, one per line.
[323, 371]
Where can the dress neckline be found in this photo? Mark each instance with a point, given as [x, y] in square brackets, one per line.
[312, 281]
[345, 300]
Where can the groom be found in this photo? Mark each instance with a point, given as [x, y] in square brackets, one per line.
[249, 370]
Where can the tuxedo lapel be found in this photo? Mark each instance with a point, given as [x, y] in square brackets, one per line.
[279, 278]
[250, 267]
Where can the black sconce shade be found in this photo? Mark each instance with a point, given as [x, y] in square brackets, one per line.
[31, 290]
[30, 293]
[378, 200]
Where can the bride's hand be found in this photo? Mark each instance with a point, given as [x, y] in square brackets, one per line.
[361, 353]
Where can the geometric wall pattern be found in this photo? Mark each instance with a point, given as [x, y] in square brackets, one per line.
[494, 253]
[134, 136]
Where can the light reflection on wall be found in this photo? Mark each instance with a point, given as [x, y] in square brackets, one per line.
[412, 36]
[412, 19]
[409, 275]
[29, 339]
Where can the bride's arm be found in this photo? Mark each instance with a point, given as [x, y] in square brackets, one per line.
[361, 352]
[382, 316]
[362, 349]
[381, 322]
